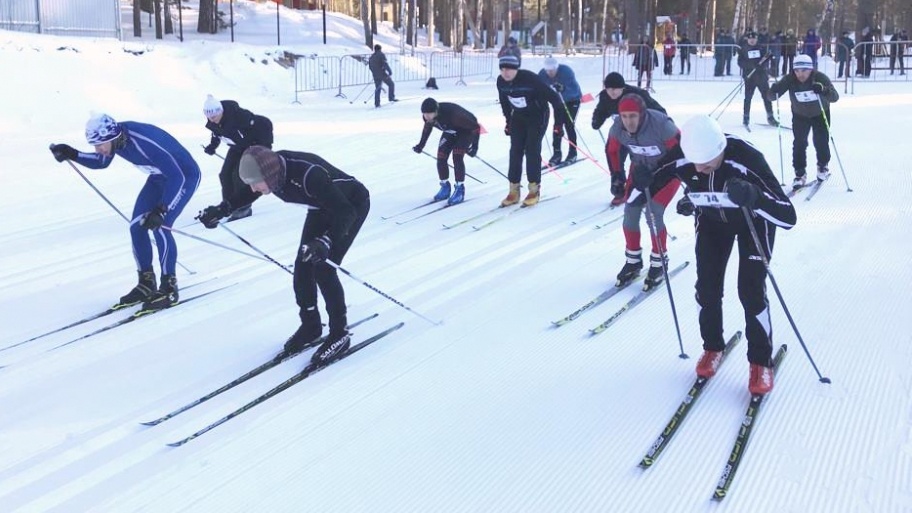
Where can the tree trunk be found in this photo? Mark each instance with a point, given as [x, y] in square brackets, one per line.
[137, 19]
[373, 16]
[430, 23]
[169, 26]
[736, 20]
[478, 44]
[365, 20]
[459, 26]
[157, 12]
[566, 27]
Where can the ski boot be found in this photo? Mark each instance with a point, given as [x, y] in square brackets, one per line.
[513, 197]
[444, 191]
[556, 158]
[709, 363]
[771, 119]
[571, 156]
[458, 194]
[761, 380]
[332, 348]
[166, 297]
[533, 196]
[823, 172]
[631, 269]
[142, 292]
[655, 275]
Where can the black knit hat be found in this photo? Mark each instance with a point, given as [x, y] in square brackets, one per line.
[614, 80]
[428, 105]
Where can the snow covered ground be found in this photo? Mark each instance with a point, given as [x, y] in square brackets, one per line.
[491, 411]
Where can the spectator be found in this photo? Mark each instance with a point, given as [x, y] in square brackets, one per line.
[897, 49]
[382, 73]
[843, 50]
[789, 49]
[686, 49]
[811, 45]
[668, 52]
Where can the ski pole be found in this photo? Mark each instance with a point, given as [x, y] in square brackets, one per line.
[378, 291]
[731, 93]
[258, 250]
[748, 218]
[106, 200]
[588, 156]
[360, 93]
[779, 133]
[572, 122]
[453, 167]
[653, 231]
[214, 153]
[835, 150]
[483, 161]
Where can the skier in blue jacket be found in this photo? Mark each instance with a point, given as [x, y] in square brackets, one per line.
[173, 178]
[561, 78]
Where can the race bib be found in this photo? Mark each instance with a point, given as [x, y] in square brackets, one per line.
[149, 170]
[646, 151]
[806, 96]
[711, 199]
[518, 103]
[753, 54]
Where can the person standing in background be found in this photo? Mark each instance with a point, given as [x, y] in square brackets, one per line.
[561, 78]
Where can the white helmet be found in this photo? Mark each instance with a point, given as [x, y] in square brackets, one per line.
[101, 128]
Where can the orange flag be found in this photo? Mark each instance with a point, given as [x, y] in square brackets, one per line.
[481, 129]
[587, 98]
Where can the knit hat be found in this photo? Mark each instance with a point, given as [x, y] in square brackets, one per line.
[614, 80]
[632, 102]
[509, 62]
[550, 63]
[803, 62]
[702, 139]
[212, 106]
[428, 105]
[260, 164]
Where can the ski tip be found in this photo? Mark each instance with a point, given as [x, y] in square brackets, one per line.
[719, 495]
[178, 443]
[646, 463]
[150, 423]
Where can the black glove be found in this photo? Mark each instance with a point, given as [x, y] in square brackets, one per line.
[557, 86]
[211, 215]
[819, 88]
[63, 152]
[417, 148]
[213, 144]
[685, 206]
[316, 250]
[742, 193]
[559, 130]
[507, 129]
[472, 150]
[154, 218]
[617, 185]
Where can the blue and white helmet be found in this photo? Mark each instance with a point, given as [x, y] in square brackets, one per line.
[101, 128]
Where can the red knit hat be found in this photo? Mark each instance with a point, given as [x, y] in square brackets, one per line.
[631, 102]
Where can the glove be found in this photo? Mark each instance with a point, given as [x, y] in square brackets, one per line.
[742, 193]
[507, 129]
[154, 218]
[558, 87]
[472, 150]
[685, 206]
[417, 148]
[559, 130]
[617, 185]
[210, 216]
[213, 144]
[316, 250]
[819, 88]
[63, 152]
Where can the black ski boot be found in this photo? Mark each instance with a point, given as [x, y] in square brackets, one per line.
[332, 348]
[166, 297]
[556, 158]
[631, 269]
[307, 335]
[655, 275]
[142, 292]
[571, 155]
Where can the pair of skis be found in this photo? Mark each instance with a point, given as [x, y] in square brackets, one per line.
[481, 215]
[444, 206]
[744, 433]
[309, 370]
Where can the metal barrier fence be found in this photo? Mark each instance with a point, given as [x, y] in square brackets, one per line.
[314, 73]
[92, 18]
[873, 61]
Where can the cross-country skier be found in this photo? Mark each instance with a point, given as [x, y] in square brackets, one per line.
[460, 137]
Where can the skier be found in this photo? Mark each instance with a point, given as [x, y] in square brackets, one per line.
[173, 178]
[607, 107]
[382, 73]
[716, 162]
[808, 90]
[524, 100]
[752, 59]
[561, 78]
[338, 205]
[648, 135]
[460, 136]
[241, 129]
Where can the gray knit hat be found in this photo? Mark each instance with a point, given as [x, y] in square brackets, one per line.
[260, 164]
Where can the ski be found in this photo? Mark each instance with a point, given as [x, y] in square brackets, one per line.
[429, 212]
[596, 214]
[406, 211]
[813, 189]
[563, 164]
[308, 371]
[136, 315]
[672, 427]
[637, 299]
[608, 222]
[597, 300]
[115, 308]
[276, 360]
[784, 127]
[747, 426]
[508, 214]
[472, 218]
[795, 190]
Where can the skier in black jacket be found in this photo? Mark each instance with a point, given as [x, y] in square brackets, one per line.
[382, 73]
[460, 136]
[524, 99]
[338, 207]
[752, 59]
[716, 162]
[242, 129]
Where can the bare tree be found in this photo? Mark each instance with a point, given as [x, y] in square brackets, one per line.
[365, 19]
[137, 19]
[206, 23]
